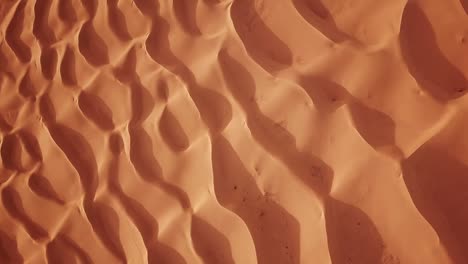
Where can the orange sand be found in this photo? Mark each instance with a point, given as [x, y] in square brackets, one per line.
[234, 131]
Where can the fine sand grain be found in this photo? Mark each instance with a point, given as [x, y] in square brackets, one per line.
[234, 131]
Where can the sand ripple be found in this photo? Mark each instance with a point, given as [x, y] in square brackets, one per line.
[233, 131]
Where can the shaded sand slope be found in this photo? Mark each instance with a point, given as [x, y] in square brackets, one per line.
[233, 131]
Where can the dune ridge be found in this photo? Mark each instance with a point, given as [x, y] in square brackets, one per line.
[233, 131]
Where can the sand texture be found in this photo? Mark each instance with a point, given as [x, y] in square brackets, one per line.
[234, 131]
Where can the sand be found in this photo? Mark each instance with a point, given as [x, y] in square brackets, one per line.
[234, 131]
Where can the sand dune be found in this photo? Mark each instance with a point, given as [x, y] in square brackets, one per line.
[233, 131]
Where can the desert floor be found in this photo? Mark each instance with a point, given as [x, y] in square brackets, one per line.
[234, 131]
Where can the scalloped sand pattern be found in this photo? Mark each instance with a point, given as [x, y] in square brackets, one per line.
[234, 131]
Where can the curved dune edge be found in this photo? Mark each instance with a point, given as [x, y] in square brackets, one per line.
[233, 131]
